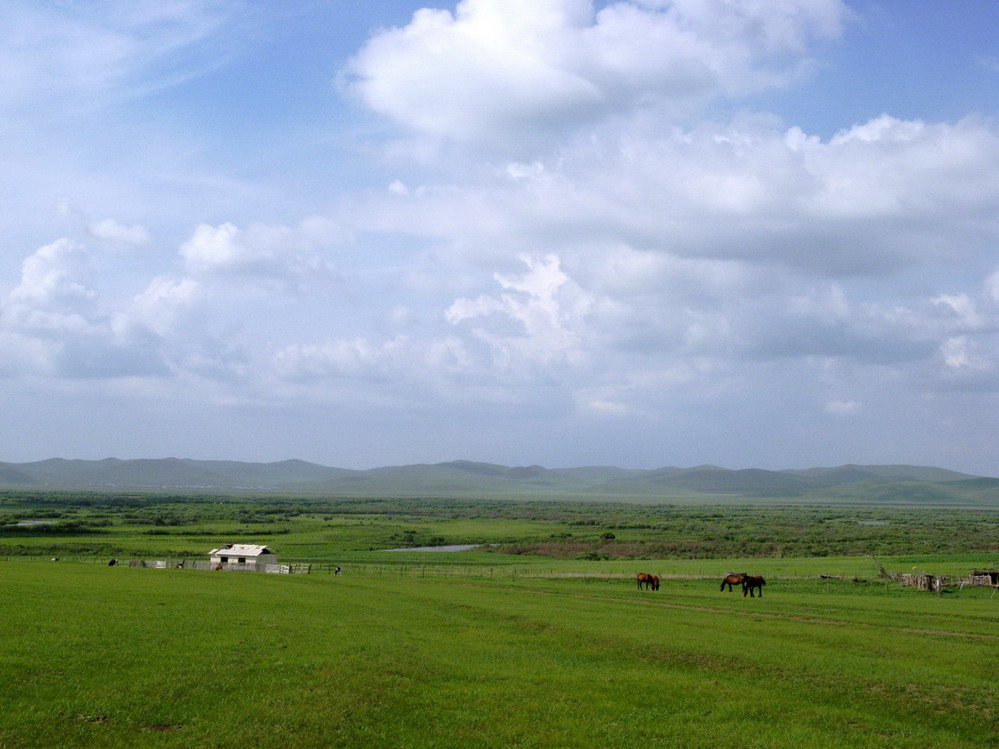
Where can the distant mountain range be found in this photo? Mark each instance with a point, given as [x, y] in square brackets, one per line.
[866, 483]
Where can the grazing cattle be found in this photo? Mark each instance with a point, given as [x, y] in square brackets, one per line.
[218, 567]
[112, 563]
[753, 582]
[735, 578]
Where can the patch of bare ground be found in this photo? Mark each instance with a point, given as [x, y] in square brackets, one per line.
[163, 727]
[102, 719]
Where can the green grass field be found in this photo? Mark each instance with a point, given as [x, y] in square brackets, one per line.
[94, 656]
[537, 639]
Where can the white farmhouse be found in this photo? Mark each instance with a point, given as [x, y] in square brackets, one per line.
[247, 556]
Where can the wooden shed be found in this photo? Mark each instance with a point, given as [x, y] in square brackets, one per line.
[984, 577]
[243, 556]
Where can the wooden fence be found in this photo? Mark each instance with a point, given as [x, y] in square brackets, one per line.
[918, 580]
[936, 583]
[203, 564]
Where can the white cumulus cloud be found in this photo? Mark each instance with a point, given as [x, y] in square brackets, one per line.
[267, 252]
[498, 71]
[539, 315]
[113, 231]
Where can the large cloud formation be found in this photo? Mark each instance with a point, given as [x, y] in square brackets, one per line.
[705, 250]
[500, 72]
[589, 227]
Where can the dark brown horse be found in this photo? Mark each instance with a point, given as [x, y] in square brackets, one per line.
[735, 578]
[647, 580]
[753, 582]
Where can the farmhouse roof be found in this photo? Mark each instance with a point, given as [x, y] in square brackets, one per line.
[242, 550]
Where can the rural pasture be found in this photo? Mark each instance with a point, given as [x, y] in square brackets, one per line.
[536, 640]
[99, 656]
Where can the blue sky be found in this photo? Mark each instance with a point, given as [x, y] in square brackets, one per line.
[642, 233]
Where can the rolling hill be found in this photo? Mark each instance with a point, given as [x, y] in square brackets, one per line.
[871, 483]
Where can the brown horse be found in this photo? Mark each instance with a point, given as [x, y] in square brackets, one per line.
[735, 578]
[646, 580]
[655, 582]
[753, 582]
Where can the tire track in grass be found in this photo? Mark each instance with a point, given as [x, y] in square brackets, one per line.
[804, 618]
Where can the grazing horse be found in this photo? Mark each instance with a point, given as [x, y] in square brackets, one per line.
[751, 582]
[651, 582]
[736, 578]
[218, 567]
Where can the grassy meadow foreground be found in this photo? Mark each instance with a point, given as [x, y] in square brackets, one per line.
[99, 656]
[540, 639]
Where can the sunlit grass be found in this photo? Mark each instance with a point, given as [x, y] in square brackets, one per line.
[98, 656]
